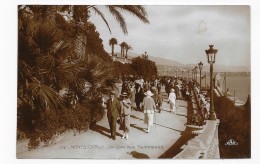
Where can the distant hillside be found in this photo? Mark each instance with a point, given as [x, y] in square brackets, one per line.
[223, 68]
[160, 61]
[173, 63]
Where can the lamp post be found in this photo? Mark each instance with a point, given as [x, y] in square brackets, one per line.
[188, 75]
[182, 73]
[195, 71]
[200, 67]
[192, 73]
[211, 55]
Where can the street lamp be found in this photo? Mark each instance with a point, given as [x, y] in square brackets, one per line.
[195, 69]
[211, 55]
[188, 75]
[200, 67]
[193, 74]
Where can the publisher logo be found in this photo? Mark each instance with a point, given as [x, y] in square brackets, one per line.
[231, 142]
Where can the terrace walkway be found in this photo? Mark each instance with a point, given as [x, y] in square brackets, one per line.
[164, 141]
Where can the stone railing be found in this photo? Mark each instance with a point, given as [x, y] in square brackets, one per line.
[200, 106]
[121, 59]
[205, 144]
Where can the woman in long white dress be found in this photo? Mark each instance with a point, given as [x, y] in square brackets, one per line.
[172, 101]
[149, 107]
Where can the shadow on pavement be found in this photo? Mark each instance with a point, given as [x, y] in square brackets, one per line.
[102, 130]
[182, 115]
[136, 127]
[135, 154]
[186, 135]
[166, 110]
[182, 106]
[133, 116]
[168, 128]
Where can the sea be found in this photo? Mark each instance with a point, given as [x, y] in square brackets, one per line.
[239, 85]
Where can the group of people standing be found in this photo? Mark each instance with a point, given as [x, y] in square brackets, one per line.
[145, 97]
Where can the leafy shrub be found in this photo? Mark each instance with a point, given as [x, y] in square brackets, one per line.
[234, 124]
[144, 67]
[53, 124]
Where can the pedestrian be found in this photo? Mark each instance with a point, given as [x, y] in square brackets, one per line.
[125, 87]
[132, 97]
[138, 96]
[125, 114]
[159, 101]
[149, 107]
[113, 111]
[159, 87]
[172, 101]
[176, 89]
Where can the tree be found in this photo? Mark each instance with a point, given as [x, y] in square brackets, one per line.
[128, 47]
[144, 67]
[56, 53]
[115, 10]
[112, 42]
[124, 48]
[122, 45]
[47, 63]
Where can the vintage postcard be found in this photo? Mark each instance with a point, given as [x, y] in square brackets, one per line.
[133, 82]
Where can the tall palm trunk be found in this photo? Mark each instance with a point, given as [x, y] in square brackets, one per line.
[121, 51]
[113, 50]
[126, 50]
[80, 47]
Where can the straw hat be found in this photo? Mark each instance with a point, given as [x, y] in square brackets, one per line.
[124, 94]
[172, 90]
[148, 93]
[112, 93]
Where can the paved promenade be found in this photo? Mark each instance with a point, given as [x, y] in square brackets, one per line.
[164, 137]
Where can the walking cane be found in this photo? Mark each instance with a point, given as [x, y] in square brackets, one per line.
[155, 121]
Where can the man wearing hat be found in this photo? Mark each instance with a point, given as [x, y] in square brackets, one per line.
[113, 111]
[149, 107]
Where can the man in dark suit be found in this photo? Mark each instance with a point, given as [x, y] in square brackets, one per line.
[113, 111]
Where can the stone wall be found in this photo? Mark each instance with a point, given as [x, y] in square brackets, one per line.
[205, 145]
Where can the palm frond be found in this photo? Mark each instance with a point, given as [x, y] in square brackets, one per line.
[62, 49]
[24, 71]
[67, 73]
[119, 17]
[102, 16]
[136, 10]
[47, 95]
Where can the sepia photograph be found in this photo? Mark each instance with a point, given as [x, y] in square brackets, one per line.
[133, 82]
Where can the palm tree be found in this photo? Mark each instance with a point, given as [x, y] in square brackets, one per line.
[112, 42]
[45, 67]
[48, 60]
[123, 46]
[115, 10]
[122, 49]
[128, 47]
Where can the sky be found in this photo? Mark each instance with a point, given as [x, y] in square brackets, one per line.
[183, 33]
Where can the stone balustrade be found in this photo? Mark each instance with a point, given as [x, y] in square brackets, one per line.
[205, 143]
